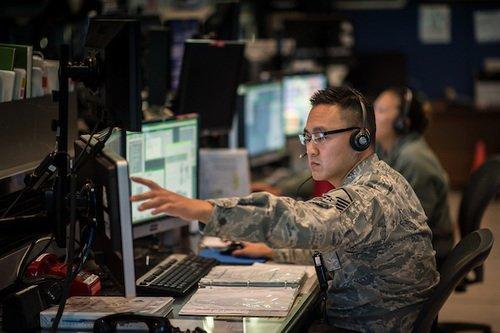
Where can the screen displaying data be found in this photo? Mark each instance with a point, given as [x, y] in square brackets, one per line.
[263, 118]
[297, 90]
[165, 152]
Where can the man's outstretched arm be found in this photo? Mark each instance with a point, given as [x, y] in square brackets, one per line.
[161, 200]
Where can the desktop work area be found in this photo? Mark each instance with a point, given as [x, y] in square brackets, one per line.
[85, 210]
[203, 110]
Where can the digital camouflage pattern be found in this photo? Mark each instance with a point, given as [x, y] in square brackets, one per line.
[293, 256]
[372, 232]
[414, 160]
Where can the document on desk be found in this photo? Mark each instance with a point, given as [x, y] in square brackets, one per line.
[255, 276]
[241, 301]
[81, 312]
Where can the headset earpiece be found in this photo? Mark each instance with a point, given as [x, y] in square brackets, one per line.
[400, 124]
[360, 139]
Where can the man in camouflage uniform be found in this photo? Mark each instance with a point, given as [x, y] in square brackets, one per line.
[371, 229]
[401, 122]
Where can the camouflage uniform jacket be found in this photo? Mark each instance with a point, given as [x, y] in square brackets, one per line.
[414, 160]
[372, 232]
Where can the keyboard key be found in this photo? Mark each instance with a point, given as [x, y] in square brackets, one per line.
[175, 277]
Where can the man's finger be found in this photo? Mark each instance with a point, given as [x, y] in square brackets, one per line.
[142, 196]
[149, 183]
[153, 203]
[239, 253]
[162, 209]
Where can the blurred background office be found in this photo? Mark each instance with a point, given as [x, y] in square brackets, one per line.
[253, 66]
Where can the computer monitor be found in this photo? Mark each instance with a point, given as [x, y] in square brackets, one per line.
[167, 153]
[116, 142]
[114, 44]
[158, 65]
[297, 90]
[261, 122]
[209, 81]
[181, 30]
[108, 174]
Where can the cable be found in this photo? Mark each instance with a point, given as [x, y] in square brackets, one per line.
[24, 190]
[70, 272]
[21, 268]
[94, 130]
[95, 148]
[300, 186]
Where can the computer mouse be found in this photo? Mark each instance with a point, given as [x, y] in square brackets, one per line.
[231, 247]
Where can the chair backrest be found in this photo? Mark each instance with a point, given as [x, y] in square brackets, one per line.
[483, 184]
[470, 252]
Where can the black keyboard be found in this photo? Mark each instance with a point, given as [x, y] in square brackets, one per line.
[175, 276]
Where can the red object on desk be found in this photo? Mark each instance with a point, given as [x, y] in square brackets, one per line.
[84, 284]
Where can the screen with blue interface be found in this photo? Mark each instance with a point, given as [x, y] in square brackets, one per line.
[263, 118]
[297, 90]
[165, 152]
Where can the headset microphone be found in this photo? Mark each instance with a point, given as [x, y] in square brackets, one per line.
[302, 155]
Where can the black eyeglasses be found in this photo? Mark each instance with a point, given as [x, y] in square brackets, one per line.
[318, 137]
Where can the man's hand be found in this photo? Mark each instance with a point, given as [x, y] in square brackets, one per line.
[161, 200]
[254, 250]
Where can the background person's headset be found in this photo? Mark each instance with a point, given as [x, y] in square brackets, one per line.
[401, 125]
[360, 139]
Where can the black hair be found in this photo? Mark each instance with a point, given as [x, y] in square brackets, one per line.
[348, 99]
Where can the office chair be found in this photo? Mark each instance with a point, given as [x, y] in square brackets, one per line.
[469, 253]
[482, 187]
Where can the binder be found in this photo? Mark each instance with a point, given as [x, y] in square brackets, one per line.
[19, 83]
[255, 276]
[23, 59]
[258, 291]
[7, 58]
[241, 301]
[7, 79]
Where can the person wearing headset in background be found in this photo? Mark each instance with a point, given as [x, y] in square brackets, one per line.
[371, 229]
[401, 121]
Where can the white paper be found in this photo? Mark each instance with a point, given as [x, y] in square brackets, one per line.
[434, 24]
[256, 275]
[224, 173]
[241, 301]
[487, 26]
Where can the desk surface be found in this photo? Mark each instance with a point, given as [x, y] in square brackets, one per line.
[303, 305]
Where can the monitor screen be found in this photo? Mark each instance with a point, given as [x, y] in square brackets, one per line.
[263, 118]
[165, 152]
[297, 90]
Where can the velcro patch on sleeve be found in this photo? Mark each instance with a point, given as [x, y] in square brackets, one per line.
[342, 200]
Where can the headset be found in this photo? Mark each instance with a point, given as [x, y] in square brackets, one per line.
[360, 139]
[400, 124]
